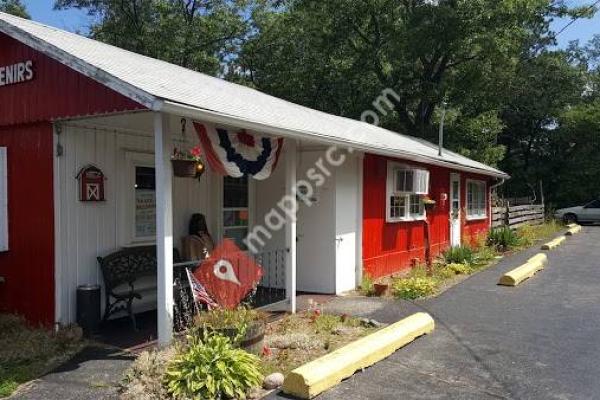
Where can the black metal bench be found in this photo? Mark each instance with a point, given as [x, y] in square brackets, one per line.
[129, 274]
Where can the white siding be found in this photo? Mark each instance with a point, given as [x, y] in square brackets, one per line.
[88, 230]
[3, 200]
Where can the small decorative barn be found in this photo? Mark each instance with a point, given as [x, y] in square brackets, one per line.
[88, 132]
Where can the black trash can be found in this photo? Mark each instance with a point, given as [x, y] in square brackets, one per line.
[88, 308]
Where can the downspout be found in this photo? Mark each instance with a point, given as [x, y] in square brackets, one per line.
[498, 184]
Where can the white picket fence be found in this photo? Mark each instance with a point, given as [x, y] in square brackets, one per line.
[516, 216]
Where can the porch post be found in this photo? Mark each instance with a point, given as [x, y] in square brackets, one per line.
[290, 227]
[164, 227]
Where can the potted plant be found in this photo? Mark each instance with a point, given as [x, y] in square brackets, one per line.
[187, 163]
[381, 289]
[428, 202]
[245, 327]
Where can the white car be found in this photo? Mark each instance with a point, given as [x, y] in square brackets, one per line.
[588, 213]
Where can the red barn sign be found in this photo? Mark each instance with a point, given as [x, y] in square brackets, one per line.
[91, 184]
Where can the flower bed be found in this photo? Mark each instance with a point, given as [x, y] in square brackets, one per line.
[459, 262]
[208, 363]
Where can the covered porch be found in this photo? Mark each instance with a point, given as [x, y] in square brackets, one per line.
[315, 249]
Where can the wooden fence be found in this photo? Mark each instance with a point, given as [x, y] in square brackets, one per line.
[516, 216]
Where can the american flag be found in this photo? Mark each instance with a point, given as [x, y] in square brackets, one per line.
[199, 292]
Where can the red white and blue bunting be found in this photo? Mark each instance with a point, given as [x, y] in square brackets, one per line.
[239, 153]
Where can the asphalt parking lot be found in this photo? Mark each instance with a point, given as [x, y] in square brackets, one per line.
[539, 340]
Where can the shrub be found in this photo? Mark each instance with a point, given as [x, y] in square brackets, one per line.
[326, 323]
[483, 256]
[414, 287]
[144, 380]
[503, 238]
[211, 368]
[367, 286]
[458, 255]
[459, 269]
[235, 321]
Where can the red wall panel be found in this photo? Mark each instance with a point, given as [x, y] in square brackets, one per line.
[28, 266]
[389, 247]
[56, 91]
[26, 112]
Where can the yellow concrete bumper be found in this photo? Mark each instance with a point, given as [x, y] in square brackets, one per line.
[324, 373]
[572, 231]
[525, 271]
[554, 243]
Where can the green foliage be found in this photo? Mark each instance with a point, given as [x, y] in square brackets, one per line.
[458, 255]
[414, 287]
[14, 7]
[459, 269]
[326, 323]
[212, 368]
[200, 35]
[504, 238]
[236, 321]
[529, 234]
[367, 286]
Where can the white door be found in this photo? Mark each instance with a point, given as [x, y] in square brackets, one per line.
[455, 210]
[316, 233]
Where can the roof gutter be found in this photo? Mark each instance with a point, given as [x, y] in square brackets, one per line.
[226, 119]
[494, 186]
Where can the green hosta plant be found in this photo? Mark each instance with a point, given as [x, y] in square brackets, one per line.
[459, 255]
[211, 368]
[503, 238]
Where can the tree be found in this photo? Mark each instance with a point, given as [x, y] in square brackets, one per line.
[542, 89]
[572, 158]
[198, 34]
[337, 55]
[14, 7]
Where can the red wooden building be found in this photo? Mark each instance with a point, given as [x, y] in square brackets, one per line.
[68, 102]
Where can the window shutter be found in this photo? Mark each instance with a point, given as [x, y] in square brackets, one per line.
[3, 200]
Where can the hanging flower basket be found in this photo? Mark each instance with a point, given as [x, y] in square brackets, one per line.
[428, 202]
[184, 168]
[187, 164]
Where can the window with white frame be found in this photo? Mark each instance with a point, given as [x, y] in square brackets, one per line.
[3, 200]
[476, 199]
[236, 211]
[406, 187]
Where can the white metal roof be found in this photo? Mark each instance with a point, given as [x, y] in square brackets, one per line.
[162, 86]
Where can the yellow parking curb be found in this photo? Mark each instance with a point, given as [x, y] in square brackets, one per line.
[326, 372]
[554, 243]
[572, 231]
[525, 271]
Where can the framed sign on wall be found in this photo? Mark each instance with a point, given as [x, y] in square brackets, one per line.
[3, 200]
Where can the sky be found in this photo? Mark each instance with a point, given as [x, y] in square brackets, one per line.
[71, 20]
[79, 21]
